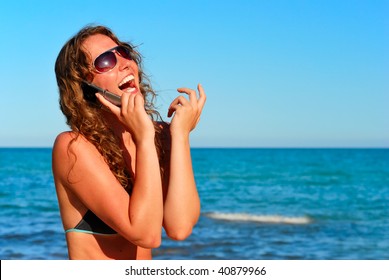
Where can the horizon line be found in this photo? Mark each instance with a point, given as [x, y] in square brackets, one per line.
[234, 147]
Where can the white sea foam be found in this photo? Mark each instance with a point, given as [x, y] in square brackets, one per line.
[271, 219]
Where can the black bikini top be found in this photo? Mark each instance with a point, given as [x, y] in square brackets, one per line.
[92, 224]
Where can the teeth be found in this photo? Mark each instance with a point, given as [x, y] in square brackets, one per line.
[126, 80]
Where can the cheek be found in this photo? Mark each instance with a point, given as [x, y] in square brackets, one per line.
[135, 70]
[104, 80]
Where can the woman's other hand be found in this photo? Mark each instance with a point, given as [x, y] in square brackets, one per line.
[186, 112]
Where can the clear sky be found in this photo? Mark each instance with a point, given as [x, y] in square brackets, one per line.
[277, 73]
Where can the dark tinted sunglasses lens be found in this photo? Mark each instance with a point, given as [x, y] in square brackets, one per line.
[124, 52]
[105, 62]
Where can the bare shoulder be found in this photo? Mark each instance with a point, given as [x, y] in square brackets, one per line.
[63, 140]
[69, 142]
[68, 149]
[61, 146]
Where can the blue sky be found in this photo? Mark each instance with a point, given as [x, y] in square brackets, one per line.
[276, 73]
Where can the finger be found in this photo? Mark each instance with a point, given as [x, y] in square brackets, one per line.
[113, 108]
[125, 98]
[129, 102]
[180, 100]
[202, 98]
[139, 101]
[176, 104]
[171, 110]
[190, 92]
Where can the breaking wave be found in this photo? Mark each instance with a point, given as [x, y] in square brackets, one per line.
[267, 219]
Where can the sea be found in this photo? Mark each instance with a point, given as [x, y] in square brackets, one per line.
[256, 204]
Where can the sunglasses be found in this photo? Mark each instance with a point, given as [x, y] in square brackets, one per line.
[107, 60]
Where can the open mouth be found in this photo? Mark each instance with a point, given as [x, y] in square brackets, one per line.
[128, 84]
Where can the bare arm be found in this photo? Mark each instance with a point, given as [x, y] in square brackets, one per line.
[182, 203]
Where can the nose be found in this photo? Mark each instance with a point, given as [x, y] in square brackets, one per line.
[123, 63]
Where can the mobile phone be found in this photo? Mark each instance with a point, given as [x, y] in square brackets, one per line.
[90, 90]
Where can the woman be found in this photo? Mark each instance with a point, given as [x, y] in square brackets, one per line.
[119, 174]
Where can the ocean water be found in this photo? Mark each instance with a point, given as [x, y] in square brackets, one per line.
[274, 204]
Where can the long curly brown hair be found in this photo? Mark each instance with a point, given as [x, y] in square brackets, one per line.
[72, 67]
